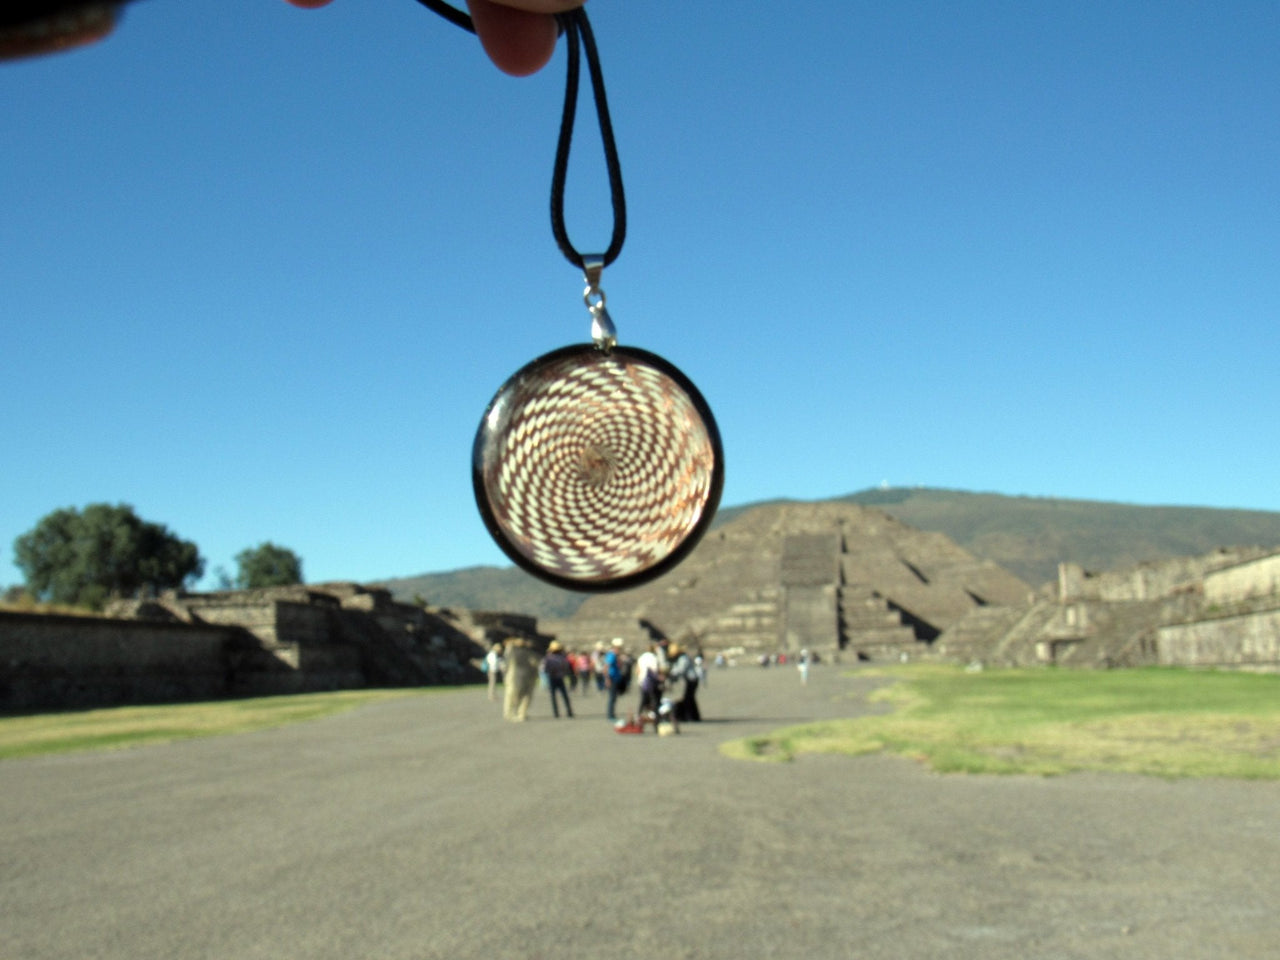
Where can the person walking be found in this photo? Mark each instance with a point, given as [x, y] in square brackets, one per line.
[556, 667]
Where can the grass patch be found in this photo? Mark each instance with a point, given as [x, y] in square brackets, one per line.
[25, 604]
[119, 727]
[1161, 722]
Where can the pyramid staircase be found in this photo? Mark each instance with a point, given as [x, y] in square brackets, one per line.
[870, 627]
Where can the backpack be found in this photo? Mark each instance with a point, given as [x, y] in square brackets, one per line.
[686, 671]
[624, 674]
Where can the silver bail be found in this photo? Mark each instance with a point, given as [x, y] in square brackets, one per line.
[603, 333]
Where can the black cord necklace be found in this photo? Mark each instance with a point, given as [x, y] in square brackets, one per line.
[574, 25]
[595, 467]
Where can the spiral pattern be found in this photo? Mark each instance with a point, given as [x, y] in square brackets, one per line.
[594, 470]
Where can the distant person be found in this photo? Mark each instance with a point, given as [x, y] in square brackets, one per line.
[660, 650]
[493, 667]
[683, 668]
[597, 666]
[803, 666]
[648, 672]
[519, 678]
[617, 674]
[556, 668]
[582, 670]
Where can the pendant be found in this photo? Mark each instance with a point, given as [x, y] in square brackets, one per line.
[598, 467]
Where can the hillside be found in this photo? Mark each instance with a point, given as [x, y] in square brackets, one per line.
[1028, 536]
[488, 588]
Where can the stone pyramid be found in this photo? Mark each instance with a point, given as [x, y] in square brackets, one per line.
[835, 578]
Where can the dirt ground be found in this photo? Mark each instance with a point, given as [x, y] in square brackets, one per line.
[429, 828]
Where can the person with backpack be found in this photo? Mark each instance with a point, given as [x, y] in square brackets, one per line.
[683, 668]
[617, 675]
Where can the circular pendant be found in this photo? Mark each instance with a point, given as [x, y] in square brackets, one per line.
[597, 470]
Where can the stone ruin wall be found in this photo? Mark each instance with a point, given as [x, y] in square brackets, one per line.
[1149, 581]
[1247, 642]
[1220, 610]
[70, 662]
[1244, 582]
[251, 643]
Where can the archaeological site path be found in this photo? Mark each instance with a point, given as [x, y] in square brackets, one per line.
[428, 828]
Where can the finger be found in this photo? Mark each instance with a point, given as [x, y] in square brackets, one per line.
[517, 41]
[542, 6]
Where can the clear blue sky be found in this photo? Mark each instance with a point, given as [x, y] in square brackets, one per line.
[262, 268]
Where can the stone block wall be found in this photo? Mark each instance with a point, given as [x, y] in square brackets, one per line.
[67, 662]
[1148, 581]
[1246, 581]
[206, 646]
[1218, 610]
[1250, 641]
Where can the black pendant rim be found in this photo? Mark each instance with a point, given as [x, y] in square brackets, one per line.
[652, 572]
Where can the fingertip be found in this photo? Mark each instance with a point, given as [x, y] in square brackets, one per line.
[518, 42]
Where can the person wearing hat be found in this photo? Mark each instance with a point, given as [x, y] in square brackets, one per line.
[556, 668]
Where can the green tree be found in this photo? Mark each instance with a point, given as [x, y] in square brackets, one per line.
[85, 557]
[267, 565]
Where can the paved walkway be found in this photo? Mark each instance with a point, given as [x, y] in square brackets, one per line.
[428, 828]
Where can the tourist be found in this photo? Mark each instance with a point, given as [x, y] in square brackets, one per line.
[493, 667]
[660, 651]
[556, 668]
[582, 668]
[683, 668]
[649, 671]
[803, 666]
[617, 673]
[571, 677]
[598, 667]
